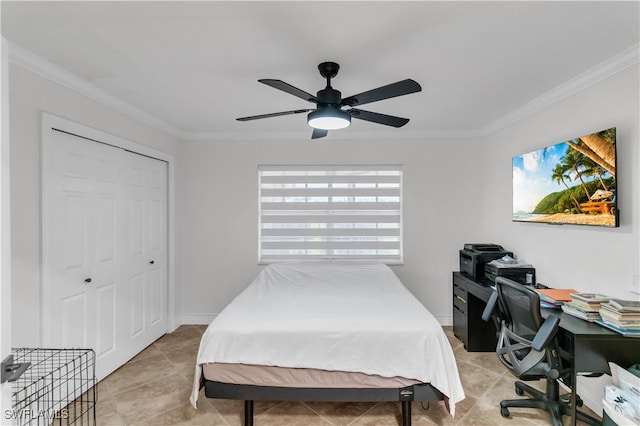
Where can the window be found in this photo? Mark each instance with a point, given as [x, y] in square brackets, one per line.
[330, 212]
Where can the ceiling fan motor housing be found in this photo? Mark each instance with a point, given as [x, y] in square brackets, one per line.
[329, 96]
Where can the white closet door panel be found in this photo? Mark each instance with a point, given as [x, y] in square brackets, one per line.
[69, 318]
[73, 164]
[136, 286]
[135, 259]
[107, 170]
[157, 245]
[73, 214]
[106, 228]
[74, 327]
[147, 250]
[137, 172]
[135, 221]
[105, 319]
[156, 300]
[157, 236]
[81, 286]
[108, 297]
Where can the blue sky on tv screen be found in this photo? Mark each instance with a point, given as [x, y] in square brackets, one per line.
[532, 176]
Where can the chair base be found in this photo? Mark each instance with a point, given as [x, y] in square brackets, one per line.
[548, 401]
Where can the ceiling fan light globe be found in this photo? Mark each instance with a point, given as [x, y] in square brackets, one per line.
[329, 119]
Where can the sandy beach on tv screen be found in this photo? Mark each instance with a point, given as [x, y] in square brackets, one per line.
[578, 219]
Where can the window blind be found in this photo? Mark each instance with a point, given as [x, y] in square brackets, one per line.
[334, 212]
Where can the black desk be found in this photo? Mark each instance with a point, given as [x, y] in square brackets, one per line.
[469, 300]
[591, 346]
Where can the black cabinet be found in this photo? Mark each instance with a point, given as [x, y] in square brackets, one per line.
[469, 300]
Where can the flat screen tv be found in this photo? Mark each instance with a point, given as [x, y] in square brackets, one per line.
[571, 182]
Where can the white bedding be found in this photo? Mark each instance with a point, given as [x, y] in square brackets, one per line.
[345, 316]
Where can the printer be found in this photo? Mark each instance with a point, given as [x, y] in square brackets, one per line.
[474, 256]
[523, 273]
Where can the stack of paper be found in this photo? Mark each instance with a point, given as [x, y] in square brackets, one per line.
[585, 305]
[622, 316]
[509, 262]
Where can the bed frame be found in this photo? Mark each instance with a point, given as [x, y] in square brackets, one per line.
[250, 393]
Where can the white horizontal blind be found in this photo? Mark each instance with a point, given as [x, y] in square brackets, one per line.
[351, 212]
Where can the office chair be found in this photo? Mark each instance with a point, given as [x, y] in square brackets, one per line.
[527, 346]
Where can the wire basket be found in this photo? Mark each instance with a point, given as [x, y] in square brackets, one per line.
[58, 388]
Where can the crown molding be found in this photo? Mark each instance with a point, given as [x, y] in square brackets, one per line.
[606, 69]
[40, 66]
[57, 74]
[403, 134]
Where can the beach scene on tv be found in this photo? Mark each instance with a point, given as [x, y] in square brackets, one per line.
[571, 182]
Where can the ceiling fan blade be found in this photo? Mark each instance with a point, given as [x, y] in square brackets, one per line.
[392, 90]
[286, 87]
[374, 117]
[319, 133]
[273, 114]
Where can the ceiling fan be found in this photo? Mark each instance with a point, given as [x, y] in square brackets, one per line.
[329, 113]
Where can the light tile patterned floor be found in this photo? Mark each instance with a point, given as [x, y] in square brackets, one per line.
[154, 387]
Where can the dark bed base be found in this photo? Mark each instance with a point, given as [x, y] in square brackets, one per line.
[250, 393]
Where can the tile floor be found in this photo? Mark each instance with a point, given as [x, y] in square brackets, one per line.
[154, 388]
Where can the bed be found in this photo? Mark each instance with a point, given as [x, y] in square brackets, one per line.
[327, 331]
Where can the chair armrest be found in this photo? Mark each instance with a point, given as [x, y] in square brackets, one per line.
[491, 307]
[546, 333]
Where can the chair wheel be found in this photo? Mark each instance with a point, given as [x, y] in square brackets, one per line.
[566, 398]
[504, 411]
[519, 391]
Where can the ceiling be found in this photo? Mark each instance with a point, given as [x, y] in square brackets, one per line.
[192, 67]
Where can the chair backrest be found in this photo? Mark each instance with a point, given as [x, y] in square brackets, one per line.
[520, 307]
[524, 346]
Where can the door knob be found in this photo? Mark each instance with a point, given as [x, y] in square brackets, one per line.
[88, 280]
[152, 262]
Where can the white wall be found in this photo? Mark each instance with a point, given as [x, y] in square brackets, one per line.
[455, 191]
[582, 257]
[31, 94]
[218, 206]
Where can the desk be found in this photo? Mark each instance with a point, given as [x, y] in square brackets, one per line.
[590, 345]
[469, 300]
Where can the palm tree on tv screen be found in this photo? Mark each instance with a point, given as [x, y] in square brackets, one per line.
[559, 175]
[599, 147]
[574, 161]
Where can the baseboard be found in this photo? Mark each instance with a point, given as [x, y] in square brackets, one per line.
[196, 319]
[444, 320]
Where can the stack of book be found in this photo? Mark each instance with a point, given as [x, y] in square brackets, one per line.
[585, 305]
[622, 316]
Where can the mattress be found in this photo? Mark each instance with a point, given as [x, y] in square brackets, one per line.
[264, 375]
[345, 316]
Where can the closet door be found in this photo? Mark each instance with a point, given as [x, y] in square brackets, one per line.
[145, 249]
[104, 249]
[82, 287]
